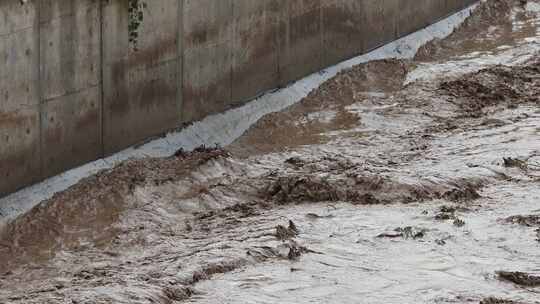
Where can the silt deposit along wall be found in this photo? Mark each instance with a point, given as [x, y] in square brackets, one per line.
[73, 88]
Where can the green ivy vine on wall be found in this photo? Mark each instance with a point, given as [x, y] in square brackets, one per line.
[136, 17]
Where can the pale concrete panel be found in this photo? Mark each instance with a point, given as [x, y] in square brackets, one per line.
[452, 6]
[115, 31]
[207, 78]
[151, 109]
[438, 10]
[15, 17]
[70, 61]
[345, 24]
[140, 81]
[53, 9]
[353, 27]
[455, 5]
[255, 47]
[381, 22]
[301, 40]
[416, 15]
[19, 149]
[115, 73]
[19, 102]
[70, 47]
[71, 131]
[19, 69]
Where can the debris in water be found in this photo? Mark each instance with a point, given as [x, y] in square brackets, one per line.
[209, 270]
[449, 213]
[520, 278]
[527, 221]
[296, 250]
[459, 223]
[446, 213]
[406, 233]
[314, 216]
[524, 220]
[498, 301]
[467, 193]
[286, 233]
[510, 162]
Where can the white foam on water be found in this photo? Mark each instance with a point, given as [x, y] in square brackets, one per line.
[533, 7]
[453, 68]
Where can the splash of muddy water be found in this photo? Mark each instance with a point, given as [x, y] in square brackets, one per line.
[394, 182]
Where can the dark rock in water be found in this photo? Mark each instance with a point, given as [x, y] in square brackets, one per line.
[392, 234]
[293, 228]
[295, 161]
[511, 162]
[412, 233]
[520, 278]
[406, 233]
[314, 216]
[498, 301]
[178, 293]
[294, 253]
[286, 233]
[440, 242]
[524, 220]
[467, 193]
[446, 213]
[296, 250]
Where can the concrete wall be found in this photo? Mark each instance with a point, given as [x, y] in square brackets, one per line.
[20, 151]
[70, 92]
[140, 88]
[73, 89]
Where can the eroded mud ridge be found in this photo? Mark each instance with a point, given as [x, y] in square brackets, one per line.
[397, 181]
[496, 86]
[497, 301]
[492, 25]
[90, 209]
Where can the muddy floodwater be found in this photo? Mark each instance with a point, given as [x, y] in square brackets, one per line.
[396, 181]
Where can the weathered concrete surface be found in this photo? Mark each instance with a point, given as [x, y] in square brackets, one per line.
[70, 78]
[208, 35]
[300, 39]
[255, 58]
[73, 88]
[139, 86]
[358, 26]
[19, 102]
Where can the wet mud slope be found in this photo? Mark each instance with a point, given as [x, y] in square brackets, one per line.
[397, 181]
